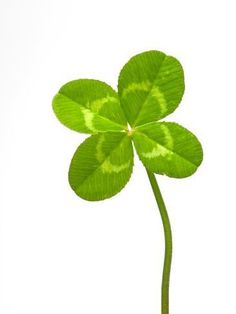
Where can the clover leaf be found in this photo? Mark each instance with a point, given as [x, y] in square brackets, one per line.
[150, 87]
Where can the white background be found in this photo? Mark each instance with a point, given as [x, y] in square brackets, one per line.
[60, 254]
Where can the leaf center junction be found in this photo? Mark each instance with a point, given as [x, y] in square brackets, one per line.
[130, 131]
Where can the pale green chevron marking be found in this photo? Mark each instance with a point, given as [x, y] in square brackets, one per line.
[159, 94]
[101, 166]
[157, 151]
[137, 86]
[168, 148]
[106, 164]
[88, 119]
[160, 150]
[89, 106]
[99, 153]
[168, 138]
[98, 104]
[108, 167]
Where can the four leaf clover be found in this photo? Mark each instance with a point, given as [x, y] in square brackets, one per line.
[150, 87]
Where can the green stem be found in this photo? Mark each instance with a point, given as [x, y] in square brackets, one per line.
[168, 244]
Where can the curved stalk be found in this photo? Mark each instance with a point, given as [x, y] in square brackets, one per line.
[168, 244]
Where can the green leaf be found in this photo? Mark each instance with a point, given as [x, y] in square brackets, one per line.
[168, 148]
[151, 86]
[89, 106]
[101, 166]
